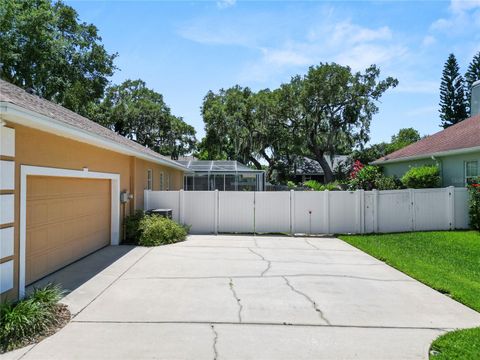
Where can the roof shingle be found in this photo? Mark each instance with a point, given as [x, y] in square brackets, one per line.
[15, 95]
[464, 135]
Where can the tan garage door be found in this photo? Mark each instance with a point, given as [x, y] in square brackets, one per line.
[67, 218]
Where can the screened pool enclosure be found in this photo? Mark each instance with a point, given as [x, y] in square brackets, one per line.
[222, 175]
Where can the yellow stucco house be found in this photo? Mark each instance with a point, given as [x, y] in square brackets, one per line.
[62, 181]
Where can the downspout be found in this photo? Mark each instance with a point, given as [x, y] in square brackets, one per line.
[440, 168]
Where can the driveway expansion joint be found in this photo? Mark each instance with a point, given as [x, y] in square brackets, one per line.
[185, 322]
[111, 284]
[314, 304]
[266, 276]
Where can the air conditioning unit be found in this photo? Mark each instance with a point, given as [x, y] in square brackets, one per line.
[167, 213]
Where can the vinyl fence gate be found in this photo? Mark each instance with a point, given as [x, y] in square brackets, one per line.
[315, 212]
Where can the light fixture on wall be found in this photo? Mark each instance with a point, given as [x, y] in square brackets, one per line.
[85, 169]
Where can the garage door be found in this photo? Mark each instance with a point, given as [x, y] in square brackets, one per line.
[67, 218]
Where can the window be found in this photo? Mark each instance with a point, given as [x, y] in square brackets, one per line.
[471, 171]
[149, 179]
[161, 181]
[168, 182]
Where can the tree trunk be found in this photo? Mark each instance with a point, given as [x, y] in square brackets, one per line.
[326, 168]
[255, 162]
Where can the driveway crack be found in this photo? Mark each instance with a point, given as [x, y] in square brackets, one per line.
[215, 340]
[269, 263]
[240, 306]
[309, 243]
[314, 304]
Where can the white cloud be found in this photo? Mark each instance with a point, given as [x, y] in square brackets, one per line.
[429, 40]
[222, 4]
[342, 42]
[458, 6]
[417, 86]
[285, 57]
[464, 16]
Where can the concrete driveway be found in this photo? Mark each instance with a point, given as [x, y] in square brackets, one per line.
[245, 297]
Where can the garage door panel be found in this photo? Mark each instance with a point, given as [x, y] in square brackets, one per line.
[67, 218]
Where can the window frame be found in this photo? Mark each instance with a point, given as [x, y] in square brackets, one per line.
[467, 177]
[162, 180]
[149, 179]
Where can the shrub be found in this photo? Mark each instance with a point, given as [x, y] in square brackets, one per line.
[388, 183]
[365, 178]
[291, 185]
[156, 230]
[22, 321]
[357, 166]
[316, 186]
[474, 204]
[132, 226]
[422, 177]
[370, 177]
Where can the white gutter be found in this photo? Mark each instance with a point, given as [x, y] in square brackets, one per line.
[428, 156]
[19, 115]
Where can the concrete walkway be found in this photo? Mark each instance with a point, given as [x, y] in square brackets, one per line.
[245, 297]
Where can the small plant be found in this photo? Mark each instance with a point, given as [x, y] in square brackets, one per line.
[474, 203]
[22, 321]
[388, 183]
[316, 186]
[291, 185]
[422, 177]
[132, 224]
[156, 230]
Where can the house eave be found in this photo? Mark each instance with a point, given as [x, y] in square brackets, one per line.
[429, 156]
[19, 115]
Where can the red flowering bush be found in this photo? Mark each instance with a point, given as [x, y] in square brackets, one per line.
[474, 203]
[357, 166]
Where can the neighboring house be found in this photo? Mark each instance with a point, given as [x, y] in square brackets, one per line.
[222, 175]
[456, 150]
[309, 169]
[62, 176]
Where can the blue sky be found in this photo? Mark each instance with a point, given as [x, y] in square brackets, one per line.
[183, 49]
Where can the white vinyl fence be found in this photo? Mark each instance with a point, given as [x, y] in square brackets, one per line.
[315, 212]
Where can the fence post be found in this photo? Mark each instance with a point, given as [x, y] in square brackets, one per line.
[215, 211]
[359, 195]
[326, 211]
[375, 211]
[292, 212]
[451, 206]
[411, 193]
[145, 200]
[181, 207]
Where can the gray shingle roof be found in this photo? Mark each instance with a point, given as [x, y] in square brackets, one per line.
[15, 95]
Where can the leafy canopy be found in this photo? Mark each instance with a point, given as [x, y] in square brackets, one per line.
[325, 112]
[45, 48]
[139, 113]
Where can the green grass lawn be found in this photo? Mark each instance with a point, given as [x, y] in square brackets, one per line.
[448, 261]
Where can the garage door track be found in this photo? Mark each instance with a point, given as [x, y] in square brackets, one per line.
[245, 297]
